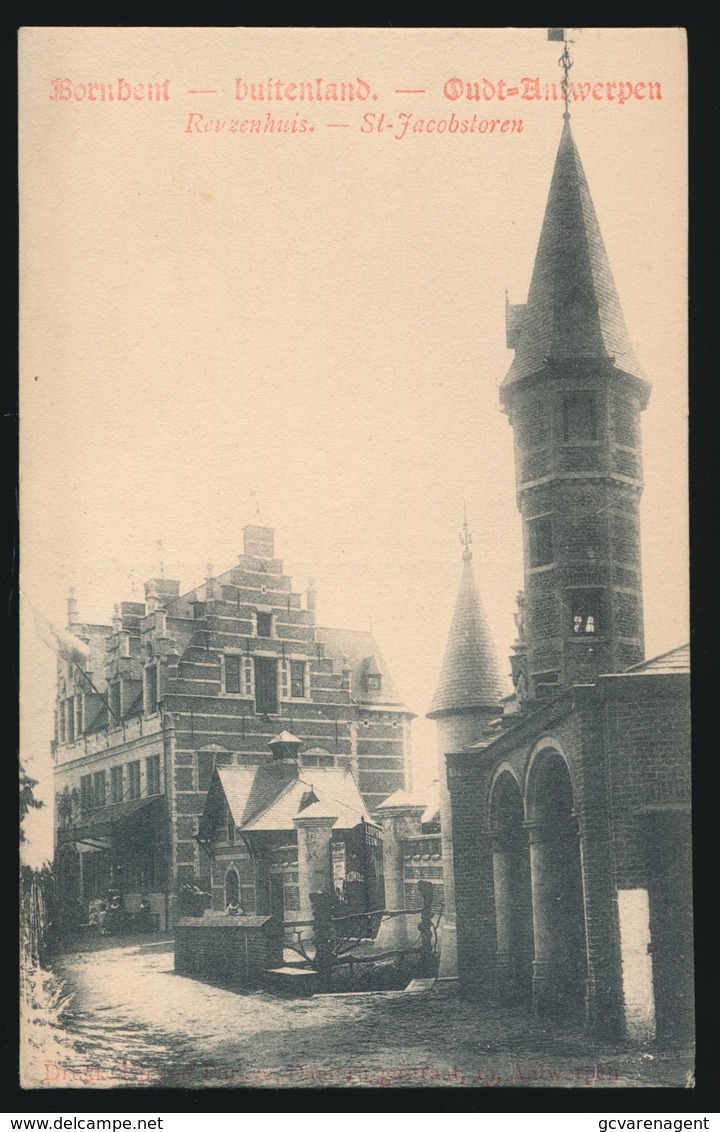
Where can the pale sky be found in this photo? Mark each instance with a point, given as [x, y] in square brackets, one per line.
[318, 319]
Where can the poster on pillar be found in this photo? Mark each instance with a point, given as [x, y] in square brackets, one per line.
[353, 406]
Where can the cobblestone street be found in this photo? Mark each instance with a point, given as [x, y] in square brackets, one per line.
[133, 1022]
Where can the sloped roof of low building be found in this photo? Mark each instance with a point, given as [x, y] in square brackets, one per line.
[251, 789]
[285, 788]
[676, 660]
[401, 798]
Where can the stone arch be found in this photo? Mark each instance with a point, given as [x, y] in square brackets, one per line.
[560, 948]
[511, 885]
[232, 886]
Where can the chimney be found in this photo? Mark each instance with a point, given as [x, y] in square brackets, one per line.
[285, 746]
[210, 586]
[72, 608]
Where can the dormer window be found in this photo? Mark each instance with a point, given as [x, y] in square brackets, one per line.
[371, 675]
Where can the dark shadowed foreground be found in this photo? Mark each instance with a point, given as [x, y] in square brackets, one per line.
[131, 1021]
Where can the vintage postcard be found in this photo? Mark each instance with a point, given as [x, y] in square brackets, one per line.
[355, 675]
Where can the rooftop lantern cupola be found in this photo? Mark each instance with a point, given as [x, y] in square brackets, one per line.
[285, 746]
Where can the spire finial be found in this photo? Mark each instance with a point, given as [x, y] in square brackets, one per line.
[466, 536]
[559, 35]
[255, 494]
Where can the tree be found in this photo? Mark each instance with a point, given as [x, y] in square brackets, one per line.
[27, 798]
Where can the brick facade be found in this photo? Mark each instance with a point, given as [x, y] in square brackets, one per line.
[570, 811]
[181, 683]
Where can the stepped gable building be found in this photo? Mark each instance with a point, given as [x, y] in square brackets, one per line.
[468, 697]
[570, 812]
[179, 684]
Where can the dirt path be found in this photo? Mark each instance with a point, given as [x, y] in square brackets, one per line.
[133, 1021]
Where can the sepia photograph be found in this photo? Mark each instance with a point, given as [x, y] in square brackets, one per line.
[355, 674]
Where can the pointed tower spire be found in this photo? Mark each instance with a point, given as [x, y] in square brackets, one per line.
[573, 311]
[467, 698]
[469, 677]
[574, 394]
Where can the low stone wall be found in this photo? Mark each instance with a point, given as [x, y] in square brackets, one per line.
[234, 950]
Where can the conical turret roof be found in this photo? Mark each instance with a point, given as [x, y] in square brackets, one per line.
[470, 676]
[573, 311]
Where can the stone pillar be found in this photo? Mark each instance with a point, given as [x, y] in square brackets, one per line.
[513, 926]
[544, 911]
[168, 785]
[398, 820]
[503, 917]
[314, 834]
[552, 856]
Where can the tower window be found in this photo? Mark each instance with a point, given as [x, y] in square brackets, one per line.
[264, 624]
[586, 613]
[540, 542]
[579, 417]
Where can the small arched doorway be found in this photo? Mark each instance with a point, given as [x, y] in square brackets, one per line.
[511, 883]
[560, 961]
[232, 888]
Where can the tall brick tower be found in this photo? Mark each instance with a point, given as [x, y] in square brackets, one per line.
[573, 395]
[467, 698]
